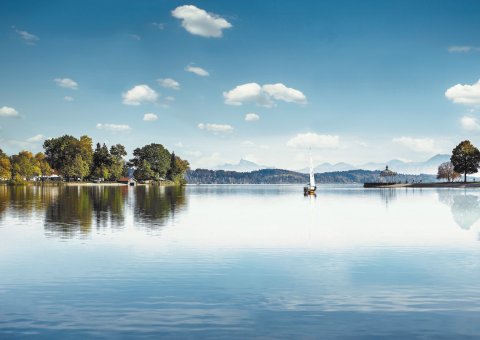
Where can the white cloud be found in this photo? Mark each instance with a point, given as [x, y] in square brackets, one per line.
[199, 22]
[179, 145]
[197, 70]
[28, 38]
[464, 93]
[170, 98]
[68, 98]
[218, 128]
[6, 111]
[287, 94]
[139, 94]
[470, 123]
[150, 117]
[158, 25]
[313, 140]
[37, 138]
[251, 117]
[426, 145]
[463, 49]
[194, 153]
[263, 95]
[66, 83]
[250, 92]
[459, 49]
[135, 37]
[248, 143]
[169, 83]
[114, 127]
[210, 161]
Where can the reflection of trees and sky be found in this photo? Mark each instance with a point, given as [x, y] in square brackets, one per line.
[155, 205]
[77, 211]
[71, 211]
[464, 205]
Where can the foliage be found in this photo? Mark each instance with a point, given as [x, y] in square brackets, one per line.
[75, 158]
[278, 176]
[66, 153]
[102, 161]
[157, 157]
[177, 169]
[465, 158]
[78, 168]
[446, 171]
[117, 168]
[144, 171]
[5, 167]
[24, 166]
[45, 169]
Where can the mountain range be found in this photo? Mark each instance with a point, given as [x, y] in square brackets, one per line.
[429, 166]
[242, 166]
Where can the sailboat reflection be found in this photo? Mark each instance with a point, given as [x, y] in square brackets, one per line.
[465, 206]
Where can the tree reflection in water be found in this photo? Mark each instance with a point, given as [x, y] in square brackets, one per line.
[80, 209]
[23, 200]
[74, 211]
[465, 206]
[155, 205]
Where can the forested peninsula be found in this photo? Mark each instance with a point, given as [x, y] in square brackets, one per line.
[67, 158]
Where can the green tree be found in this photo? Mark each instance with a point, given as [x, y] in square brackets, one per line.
[78, 168]
[24, 166]
[465, 159]
[117, 168]
[144, 171]
[177, 169]
[5, 167]
[66, 152]
[157, 157]
[118, 150]
[85, 149]
[173, 171]
[43, 166]
[102, 161]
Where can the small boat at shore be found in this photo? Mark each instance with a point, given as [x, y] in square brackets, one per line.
[310, 188]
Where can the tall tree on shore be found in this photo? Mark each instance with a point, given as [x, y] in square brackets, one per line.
[157, 157]
[24, 166]
[177, 168]
[5, 167]
[446, 171]
[43, 166]
[465, 159]
[117, 169]
[71, 156]
[102, 161]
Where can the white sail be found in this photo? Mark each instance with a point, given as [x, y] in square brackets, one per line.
[312, 174]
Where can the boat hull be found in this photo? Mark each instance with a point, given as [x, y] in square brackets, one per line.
[309, 191]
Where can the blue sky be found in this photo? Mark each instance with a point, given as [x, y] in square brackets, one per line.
[356, 81]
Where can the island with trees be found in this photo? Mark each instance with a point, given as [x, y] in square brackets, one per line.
[67, 158]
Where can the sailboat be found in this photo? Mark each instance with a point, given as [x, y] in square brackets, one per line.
[310, 188]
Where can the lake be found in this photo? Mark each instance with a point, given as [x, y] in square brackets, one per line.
[239, 262]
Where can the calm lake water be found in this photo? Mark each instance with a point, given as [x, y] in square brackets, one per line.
[239, 262]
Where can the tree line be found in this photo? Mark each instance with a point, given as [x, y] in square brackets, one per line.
[74, 158]
[278, 176]
[465, 160]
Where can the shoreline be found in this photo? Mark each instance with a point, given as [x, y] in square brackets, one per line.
[424, 185]
[85, 184]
